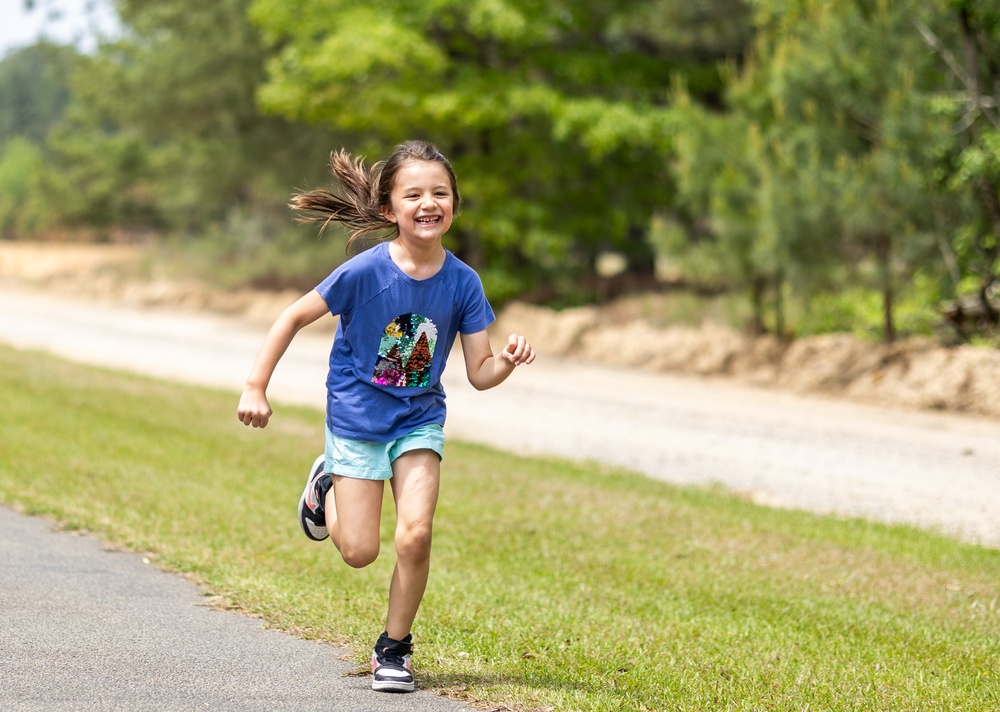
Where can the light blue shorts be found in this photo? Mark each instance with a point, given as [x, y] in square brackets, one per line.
[373, 461]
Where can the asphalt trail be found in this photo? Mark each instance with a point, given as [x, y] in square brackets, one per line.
[83, 627]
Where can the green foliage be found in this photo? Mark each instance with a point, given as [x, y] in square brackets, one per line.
[34, 94]
[553, 113]
[21, 164]
[981, 160]
[826, 162]
[100, 180]
[799, 151]
[858, 311]
[34, 90]
[164, 134]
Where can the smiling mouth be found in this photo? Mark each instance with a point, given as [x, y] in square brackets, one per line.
[429, 220]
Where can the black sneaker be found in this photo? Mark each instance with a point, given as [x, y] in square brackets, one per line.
[391, 671]
[312, 518]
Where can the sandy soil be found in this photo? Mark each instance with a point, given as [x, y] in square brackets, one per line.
[915, 373]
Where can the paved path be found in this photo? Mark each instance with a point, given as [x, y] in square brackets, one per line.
[84, 628]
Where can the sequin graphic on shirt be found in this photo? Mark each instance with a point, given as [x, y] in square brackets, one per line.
[406, 352]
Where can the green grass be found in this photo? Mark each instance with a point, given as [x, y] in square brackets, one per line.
[554, 585]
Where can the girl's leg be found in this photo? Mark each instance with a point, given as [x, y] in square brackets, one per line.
[415, 483]
[353, 512]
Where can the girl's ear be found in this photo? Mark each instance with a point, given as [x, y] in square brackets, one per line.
[387, 213]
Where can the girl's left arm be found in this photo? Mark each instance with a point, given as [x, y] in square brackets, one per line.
[486, 370]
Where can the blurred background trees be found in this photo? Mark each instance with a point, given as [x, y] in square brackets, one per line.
[824, 166]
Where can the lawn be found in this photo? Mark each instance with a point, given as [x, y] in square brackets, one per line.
[554, 584]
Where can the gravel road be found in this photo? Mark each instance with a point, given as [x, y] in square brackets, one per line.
[934, 470]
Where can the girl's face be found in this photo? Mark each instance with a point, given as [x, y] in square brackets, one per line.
[421, 202]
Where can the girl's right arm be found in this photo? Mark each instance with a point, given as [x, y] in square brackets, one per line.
[254, 409]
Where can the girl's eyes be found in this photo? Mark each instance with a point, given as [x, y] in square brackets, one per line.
[439, 194]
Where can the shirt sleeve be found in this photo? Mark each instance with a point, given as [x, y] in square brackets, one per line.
[477, 314]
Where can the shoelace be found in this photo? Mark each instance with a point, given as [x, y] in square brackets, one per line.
[388, 659]
[394, 655]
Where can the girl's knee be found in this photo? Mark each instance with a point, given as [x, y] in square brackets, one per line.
[413, 542]
[358, 555]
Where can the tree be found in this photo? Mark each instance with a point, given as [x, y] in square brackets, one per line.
[845, 157]
[34, 90]
[966, 41]
[34, 93]
[21, 163]
[554, 114]
[166, 129]
[879, 122]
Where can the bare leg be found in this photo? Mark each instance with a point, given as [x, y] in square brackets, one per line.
[415, 484]
[353, 512]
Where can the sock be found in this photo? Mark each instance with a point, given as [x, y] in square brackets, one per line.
[322, 487]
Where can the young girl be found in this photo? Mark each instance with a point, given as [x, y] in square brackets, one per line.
[400, 306]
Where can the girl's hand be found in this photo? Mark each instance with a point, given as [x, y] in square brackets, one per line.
[254, 409]
[518, 350]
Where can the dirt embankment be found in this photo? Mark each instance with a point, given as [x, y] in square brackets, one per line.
[916, 373]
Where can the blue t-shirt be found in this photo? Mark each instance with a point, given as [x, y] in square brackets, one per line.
[393, 340]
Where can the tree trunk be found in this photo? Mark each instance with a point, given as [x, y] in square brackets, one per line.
[883, 249]
[779, 307]
[469, 249]
[757, 298]
[640, 259]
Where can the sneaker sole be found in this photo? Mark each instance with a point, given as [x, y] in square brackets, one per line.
[391, 686]
[312, 531]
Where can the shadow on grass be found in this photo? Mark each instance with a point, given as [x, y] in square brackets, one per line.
[482, 686]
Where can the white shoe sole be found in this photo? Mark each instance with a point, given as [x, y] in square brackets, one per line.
[391, 686]
[312, 531]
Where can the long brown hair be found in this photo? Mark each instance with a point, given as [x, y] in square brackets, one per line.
[365, 191]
